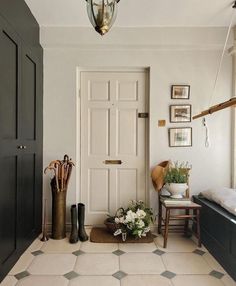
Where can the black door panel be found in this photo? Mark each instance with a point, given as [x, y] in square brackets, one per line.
[28, 99]
[8, 87]
[8, 194]
[26, 196]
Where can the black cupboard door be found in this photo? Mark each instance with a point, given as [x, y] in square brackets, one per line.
[10, 51]
[29, 194]
[20, 145]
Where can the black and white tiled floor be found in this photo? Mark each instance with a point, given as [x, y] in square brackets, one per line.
[87, 264]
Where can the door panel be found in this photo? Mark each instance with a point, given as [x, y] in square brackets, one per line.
[8, 87]
[127, 132]
[98, 131]
[28, 98]
[127, 185]
[98, 197]
[113, 141]
[8, 194]
[127, 90]
[26, 195]
[99, 90]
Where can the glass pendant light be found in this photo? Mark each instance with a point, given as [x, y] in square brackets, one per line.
[102, 14]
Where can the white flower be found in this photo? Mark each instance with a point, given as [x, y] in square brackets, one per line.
[140, 214]
[130, 217]
[133, 220]
[140, 224]
[146, 230]
[117, 232]
[139, 233]
[119, 220]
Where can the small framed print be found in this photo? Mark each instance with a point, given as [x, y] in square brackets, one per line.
[180, 91]
[180, 113]
[180, 137]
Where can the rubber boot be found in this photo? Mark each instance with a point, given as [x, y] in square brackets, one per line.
[81, 213]
[74, 228]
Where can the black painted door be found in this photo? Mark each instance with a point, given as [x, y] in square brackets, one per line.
[20, 145]
[9, 139]
[27, 133]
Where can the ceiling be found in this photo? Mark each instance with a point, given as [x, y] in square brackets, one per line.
[137, 13]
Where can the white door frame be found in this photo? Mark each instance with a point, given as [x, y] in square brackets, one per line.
[79, 70]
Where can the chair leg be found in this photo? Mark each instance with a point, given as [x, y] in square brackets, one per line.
[159, 217]
[167, 219]
[186, 223]
[198, 227]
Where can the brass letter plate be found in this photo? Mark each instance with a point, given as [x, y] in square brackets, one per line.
[143, 115]
[113, 162]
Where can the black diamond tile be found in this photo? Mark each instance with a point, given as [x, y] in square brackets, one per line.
[71, 275]
[119, 275]
[216, 274]
[199, 252]
[36, 253]
[118, 252]
[159, 252]
[22, 275]
[168, 274]
[78, 252]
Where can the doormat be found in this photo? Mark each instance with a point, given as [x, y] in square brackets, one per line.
[101, 235]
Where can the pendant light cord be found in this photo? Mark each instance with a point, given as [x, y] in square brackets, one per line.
[223, 53]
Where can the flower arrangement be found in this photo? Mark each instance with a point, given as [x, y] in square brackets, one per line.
[135, 220]
[177, 173]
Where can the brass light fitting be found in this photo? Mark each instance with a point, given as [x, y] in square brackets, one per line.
[102, 14]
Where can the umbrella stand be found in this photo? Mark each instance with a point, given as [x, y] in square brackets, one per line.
[58, 212]
[59, 183]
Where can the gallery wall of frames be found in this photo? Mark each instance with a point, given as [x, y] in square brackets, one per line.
[180, 113]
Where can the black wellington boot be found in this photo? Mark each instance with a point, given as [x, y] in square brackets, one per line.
[81, 213]
[74, 228]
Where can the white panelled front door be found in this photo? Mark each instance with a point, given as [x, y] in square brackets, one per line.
[113, 141]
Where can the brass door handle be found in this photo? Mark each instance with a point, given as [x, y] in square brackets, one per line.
[112, 162]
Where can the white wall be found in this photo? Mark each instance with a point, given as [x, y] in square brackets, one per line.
[175, 56]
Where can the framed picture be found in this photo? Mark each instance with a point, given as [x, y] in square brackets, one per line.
[180, 113]
[180, 137]
[180, 91]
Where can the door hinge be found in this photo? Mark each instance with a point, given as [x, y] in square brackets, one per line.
[143, 115]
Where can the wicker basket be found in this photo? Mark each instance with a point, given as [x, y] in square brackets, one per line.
[111, 226]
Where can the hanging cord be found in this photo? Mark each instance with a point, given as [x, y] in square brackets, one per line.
[223, 53]
[207, 140]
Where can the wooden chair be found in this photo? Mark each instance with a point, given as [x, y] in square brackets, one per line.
[165, 212]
